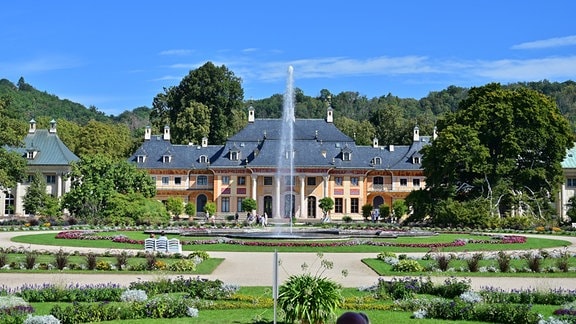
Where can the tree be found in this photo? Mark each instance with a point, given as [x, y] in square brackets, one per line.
[36, 195]
[210, 208]
[104, 139]
[95, 179]
[134, 209]
[499, 145]
[367, 211]
[207, 96]
[326, 204]
[249, 204]
[190, 209]
[399, 207]
[12, 164]
[175, 206]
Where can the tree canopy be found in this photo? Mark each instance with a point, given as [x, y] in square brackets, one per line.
[205, 101]
[96, 179]
[503, 145]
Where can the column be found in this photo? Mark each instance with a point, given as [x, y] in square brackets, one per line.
[326, 178]
[302, 196]
[254, 186]
[59, 185]
[277, 200]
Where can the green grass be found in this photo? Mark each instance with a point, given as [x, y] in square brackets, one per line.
[384, 269]
[531, 243]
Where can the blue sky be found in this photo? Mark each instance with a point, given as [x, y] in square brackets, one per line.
[117, 55]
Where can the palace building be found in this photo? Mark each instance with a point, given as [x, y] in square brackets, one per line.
[326, 162]
[45, 153]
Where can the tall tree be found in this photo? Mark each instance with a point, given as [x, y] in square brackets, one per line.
[12, 164]
[96, 179]
[500, 144]
[217, 88]
[36, 195]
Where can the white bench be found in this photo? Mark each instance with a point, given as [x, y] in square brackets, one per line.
[162, 245]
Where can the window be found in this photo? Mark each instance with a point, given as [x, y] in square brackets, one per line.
[338, 181]
[203, 159]
[239, 203]
[354, 181]
[378, 180]
[165, 181]
[377, 160]
[311, 181]
[225, 204]
[234, 156]
[416, 160]
[354, 205]
[571, 182]
[338, 205]
[241, 181]
[267, 181]
[141, 158]
[166, 158]
[403, 182]
[177, 181]
[346, 156]
[50, 179]
[225, 180]
[30, 178]
[202, 180]
[8, 204]
[31, 155]
[416, 182]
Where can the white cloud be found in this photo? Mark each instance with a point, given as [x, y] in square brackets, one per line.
[527, 70]
[38, 65]
[548, 43]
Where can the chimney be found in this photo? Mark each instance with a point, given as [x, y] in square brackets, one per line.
[391, 147]
[166, 136]
[330, 115]
[251, 114]
[32, 128]
[204, 141]
[52, 126]
[416, 137]
[375, 142]
[147, 133]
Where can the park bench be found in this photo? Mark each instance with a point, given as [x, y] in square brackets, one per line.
[162, 245]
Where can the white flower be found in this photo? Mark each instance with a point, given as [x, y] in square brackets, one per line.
[192, 312]
[132, 295]
[420, 314]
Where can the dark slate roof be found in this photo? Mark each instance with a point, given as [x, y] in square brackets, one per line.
[304, 129]
[51, 150]
[317, 144]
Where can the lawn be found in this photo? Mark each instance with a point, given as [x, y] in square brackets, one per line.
[333, 246]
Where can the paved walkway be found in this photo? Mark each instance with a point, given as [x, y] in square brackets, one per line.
[257, 269]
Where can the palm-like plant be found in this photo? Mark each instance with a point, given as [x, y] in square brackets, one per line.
[310, 298]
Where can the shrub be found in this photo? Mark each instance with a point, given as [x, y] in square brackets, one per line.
[533, 261]
[3, 259]
[41, 319]
[183, 265]
[91, 260]
[473, 262]
[103, 265]
[503, 260]
[408, 266]
[563, 262]
[309, 299]
[383, 255]
[60, 259]
[346, 219]
[30, 260]
[443, 261]
[133, 295]
[203, 255]
[121, 260]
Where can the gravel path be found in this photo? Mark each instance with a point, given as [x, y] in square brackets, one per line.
[256, 269]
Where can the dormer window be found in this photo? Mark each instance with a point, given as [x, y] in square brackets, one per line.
[376, 160]
[346, 156]
[234, 155]
[166, 158]
[203, 159]
[141, 158]
[31, 154]
[416, 160]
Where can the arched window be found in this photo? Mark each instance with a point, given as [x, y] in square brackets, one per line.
[203, 159]
[377, 160]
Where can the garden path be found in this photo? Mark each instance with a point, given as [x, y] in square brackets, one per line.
[256, 269]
